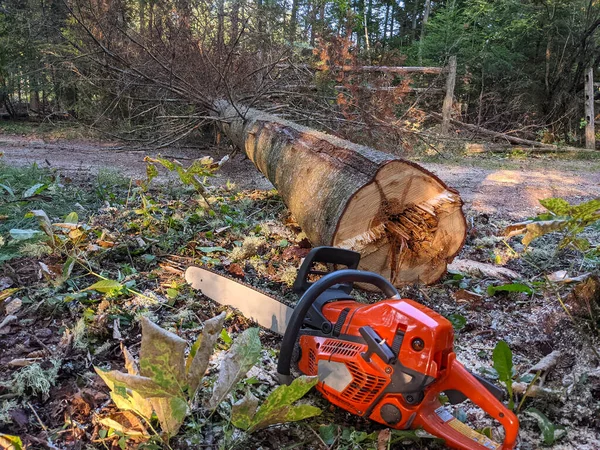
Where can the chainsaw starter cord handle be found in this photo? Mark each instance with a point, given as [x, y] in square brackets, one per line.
[308, 298]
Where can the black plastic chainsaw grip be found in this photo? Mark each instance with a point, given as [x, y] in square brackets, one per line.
[309, 297]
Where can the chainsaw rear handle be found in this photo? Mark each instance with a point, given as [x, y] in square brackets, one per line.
[459, 378]
[309, 297]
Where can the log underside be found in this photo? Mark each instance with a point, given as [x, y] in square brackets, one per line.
[404, 221]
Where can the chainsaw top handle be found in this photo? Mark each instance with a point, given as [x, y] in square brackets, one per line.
[309, 297]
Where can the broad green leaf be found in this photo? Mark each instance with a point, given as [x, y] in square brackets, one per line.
[10, 442]
[512, 287]
[162, 357]
[550, 433]
[35, 189]
[558, 206]
[22, 235]
[243, 355]
[277, 408]
[225, 337]
[503, 363]
[72, 217]
[171, 413]
[201, 351]
[67, 268]
[105, 286]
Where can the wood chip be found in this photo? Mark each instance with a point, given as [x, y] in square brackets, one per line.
[535, 391]
[547, 363]
[13, 306]
[116, 331]
[476, 268]
[23, 362]
[8, 319]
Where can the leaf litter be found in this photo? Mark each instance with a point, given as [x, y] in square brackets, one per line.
[249, 235]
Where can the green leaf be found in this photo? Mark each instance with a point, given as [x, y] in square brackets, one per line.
[458, 321]
[243, 355]
[162, 357]
[512, 287]
[23, 235]
[329, 433]
[211, 249]
[537, 229]
[43, 220]
[225, 337]
[201, 351]
[151, 172]
[502, 357]
[10, 442]
[550, 433]
[105, 286]
[558, 206]
[72, 218]
[35, 189]
[277, 408]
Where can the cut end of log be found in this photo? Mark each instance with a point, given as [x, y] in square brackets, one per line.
[406, 224]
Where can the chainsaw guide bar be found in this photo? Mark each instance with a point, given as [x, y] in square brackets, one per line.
[250, 301]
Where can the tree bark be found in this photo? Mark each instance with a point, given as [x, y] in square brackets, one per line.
[406, 223]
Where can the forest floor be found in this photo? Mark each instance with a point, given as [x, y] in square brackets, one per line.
[141, 238]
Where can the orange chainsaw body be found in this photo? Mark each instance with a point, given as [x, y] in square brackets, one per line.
[390, 362]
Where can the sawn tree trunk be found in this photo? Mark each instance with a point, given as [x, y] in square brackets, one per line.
[407, 224]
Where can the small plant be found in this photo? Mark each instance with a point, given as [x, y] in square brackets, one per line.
[166, 382]
[503, 364]
[550, 432]
[563, 217]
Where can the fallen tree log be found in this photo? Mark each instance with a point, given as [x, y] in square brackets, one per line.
[406, 222]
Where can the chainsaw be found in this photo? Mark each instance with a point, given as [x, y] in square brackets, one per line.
[389, 361]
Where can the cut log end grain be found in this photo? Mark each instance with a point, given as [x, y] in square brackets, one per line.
[404, 221]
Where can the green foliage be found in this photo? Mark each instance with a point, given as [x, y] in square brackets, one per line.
[550, 432]
[192, 176]
[512, 287]
[10, 442]
[563, 217]
[503, 364]
[241, 357]
[346, 438]
[278, 407]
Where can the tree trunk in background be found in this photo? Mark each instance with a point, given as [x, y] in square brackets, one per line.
[293, 22]
[403, 220]
[423, 25]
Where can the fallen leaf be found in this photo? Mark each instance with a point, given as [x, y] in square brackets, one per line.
[236, 270]
[12, 306]
[561, 276]
[464, 296]
[125, 422]
[383, 439]
[294, 253]
[116, 331]
[23, 362]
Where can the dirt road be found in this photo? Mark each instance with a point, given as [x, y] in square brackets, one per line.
[493, 186]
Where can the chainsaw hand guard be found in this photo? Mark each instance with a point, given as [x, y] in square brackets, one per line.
[434, 419]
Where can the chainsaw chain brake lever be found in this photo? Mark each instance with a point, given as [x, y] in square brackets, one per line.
[326, 255]
[303, 306]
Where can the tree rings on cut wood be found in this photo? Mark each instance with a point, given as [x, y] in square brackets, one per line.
[406, 223]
